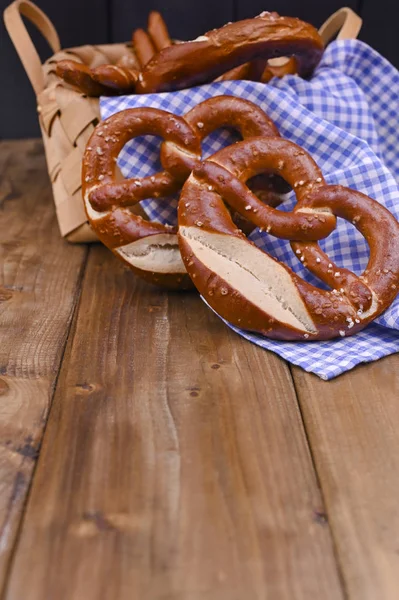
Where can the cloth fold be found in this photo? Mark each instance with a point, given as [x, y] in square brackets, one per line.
[346, 118]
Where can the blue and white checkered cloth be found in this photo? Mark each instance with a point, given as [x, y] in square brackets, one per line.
[346, 117]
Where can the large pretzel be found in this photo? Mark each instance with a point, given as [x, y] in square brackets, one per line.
[253, 290]
[201, 60]
[151, 249]
[170, 67]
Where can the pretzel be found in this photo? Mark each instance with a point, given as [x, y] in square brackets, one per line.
[147, 44]
[121, 78]
[250, 121]
[103, 80]
[143, 46]
[151, 249]
[211, 55]
[158, 31]
[253, 290]
[128, 61]
[261, 70]
[168, 67]
[279, 67]
[252, 71]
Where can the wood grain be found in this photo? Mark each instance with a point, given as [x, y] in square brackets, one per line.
[39, 278]
[352, 424]
[174, 465]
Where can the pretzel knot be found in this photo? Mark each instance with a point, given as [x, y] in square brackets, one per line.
[150, 248]
[253, 290]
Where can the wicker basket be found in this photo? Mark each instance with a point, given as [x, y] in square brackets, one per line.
[67, 118]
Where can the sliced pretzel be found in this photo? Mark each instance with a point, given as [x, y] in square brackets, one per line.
[149, 248]
[207, 57]
[106, 200]
[253, 290]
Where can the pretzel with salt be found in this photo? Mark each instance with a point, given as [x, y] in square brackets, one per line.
[209, 56]
[262, 70]
[151, 249]
[250, 288]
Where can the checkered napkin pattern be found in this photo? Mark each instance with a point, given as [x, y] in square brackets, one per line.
[346, 118]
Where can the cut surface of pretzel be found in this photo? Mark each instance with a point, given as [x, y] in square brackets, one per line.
[151, 249]
[250, 288]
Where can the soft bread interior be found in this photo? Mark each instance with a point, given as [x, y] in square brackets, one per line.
[156, 253]
[253, 273]
[91, 212]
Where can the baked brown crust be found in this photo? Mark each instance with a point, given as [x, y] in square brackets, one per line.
[158, 31]
[263, 294]
[238, 50]
[103, 80]
[107, 201]
[143, 46]
[209, 56]
[147, 43]
[285, 67]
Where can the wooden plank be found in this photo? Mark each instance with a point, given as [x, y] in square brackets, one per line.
[185, 20]
[39, 279]
[352, 427]
[174, 465]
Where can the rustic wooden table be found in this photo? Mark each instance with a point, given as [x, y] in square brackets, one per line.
[147, 452]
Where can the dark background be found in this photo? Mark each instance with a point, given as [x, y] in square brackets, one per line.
[100, 21]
